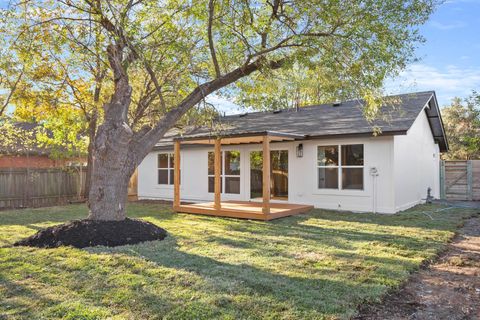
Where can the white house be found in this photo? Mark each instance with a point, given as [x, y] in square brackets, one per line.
[326, 156]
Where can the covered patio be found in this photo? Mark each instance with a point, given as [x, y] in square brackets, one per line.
[264, 210]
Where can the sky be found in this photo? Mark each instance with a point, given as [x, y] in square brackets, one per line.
[450, 58]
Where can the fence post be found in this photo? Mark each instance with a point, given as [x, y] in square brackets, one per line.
[25, 190]
[442, 179]
[469, 180]
[80, 188]
[66, 181]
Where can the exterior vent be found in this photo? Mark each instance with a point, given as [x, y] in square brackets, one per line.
[336, 104]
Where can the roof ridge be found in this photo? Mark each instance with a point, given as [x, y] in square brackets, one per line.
[323, 104]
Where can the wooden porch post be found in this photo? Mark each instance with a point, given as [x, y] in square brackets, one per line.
[176, 174]
[266, 175]
[218, 168]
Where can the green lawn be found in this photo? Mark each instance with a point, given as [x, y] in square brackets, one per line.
[320, 265]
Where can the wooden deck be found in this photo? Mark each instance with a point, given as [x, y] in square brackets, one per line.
[244, 209]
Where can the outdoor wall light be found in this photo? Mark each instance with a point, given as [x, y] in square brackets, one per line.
[300, 150]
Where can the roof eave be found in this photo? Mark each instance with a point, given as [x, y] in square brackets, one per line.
[441, 123]
[290, 136]
[360, 134]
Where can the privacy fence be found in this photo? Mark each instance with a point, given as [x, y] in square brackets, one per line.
[23, 187]
[460, 180]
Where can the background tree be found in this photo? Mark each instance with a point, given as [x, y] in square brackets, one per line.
[462, 124]
[166, 57]
[290, 87]
[14, 140]
[64, 83]
[14, 60]
[31, 137]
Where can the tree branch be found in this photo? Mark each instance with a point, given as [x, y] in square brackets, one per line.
[143, 145]
[12, 91]
[211, 9]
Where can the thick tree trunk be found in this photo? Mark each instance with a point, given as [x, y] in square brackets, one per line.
[113, 166]
[113, 159]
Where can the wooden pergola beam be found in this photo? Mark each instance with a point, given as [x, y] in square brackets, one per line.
[266, 175]
[176, 174]
[241, 138]
[217, 169]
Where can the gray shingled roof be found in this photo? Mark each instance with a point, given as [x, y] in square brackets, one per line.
[328, 120]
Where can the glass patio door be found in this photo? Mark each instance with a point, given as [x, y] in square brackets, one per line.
[278, 174]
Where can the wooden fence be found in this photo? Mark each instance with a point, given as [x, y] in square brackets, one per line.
[133, 187]
[460, 180]
[23, 187]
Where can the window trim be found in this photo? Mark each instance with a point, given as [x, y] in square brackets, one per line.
[222, 172]
[330, 167]
[168, 168]
[340, 167]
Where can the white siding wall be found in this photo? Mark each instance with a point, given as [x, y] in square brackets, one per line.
[416, 162]
[378, 152]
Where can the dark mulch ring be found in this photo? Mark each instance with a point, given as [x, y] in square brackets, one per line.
[90, 233]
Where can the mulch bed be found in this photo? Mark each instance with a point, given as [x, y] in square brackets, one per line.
[90, 233]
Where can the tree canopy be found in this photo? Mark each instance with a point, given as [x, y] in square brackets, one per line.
[462, 125]
[327, 49]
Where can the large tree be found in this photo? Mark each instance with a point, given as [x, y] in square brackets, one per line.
[462, 124]
[166, 57]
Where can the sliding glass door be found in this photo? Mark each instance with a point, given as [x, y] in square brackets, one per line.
[278, 174]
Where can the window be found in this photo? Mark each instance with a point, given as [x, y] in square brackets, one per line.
[165, 168]
[230, 172]
[327, 162]
[340, 167]
[352, 166]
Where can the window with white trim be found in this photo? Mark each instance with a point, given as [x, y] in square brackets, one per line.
[229, 173]
[340, 167]
[165, 163]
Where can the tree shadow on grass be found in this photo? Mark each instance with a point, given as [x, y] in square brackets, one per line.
[61, 214]
[342, 246]
[244, 289]
[46, 288]
[342, 238]
[18, 301]
[424, 216]
[52, 215]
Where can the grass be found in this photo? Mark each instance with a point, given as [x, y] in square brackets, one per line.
[320, 265]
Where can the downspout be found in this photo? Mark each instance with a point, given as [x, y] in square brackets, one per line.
[374, 174]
